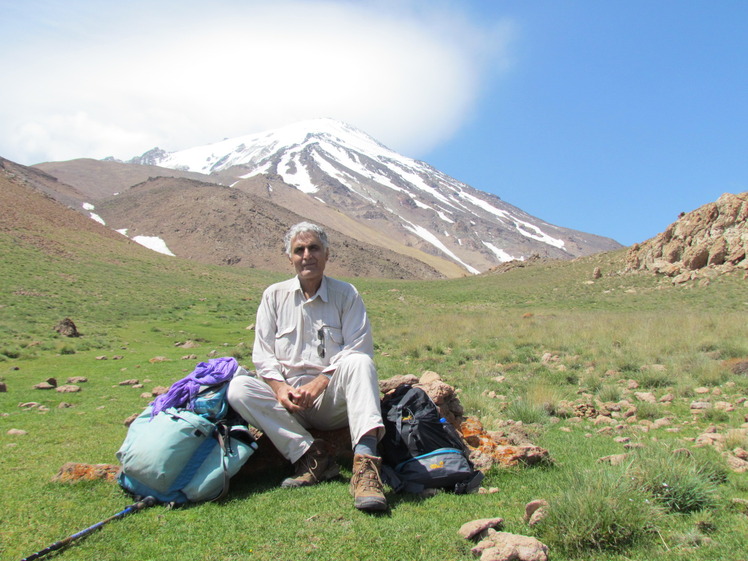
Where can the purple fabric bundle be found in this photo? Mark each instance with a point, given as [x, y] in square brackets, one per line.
[183, 392]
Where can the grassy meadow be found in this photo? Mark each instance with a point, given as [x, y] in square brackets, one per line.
[526, 346]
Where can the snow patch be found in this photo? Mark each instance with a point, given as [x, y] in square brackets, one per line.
[502, 255]
[153, 242]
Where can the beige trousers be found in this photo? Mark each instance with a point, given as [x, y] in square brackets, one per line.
[351, 398]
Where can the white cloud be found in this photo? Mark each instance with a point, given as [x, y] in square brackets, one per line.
[118, 79]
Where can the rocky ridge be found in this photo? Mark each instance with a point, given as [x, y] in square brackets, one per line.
[710, 240]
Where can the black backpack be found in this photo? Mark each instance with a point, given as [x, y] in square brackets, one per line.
[421, 450]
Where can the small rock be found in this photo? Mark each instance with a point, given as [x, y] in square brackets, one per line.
[69, 388]
[159, 390]
[156, 359]
[16, 432]
[28, 405]
[645, 396]
[44, 386]
[699, 405]
[479, 528]
[131, 382]
[535, 511]
[503, 546]
[3, 387]
[77, 379]
[429, 376]
[613, 459]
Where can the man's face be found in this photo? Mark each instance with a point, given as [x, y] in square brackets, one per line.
[308, 256]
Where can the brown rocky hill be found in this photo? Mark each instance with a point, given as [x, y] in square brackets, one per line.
[710, 240]
[100, 179]
[221, 225]
[32, 218]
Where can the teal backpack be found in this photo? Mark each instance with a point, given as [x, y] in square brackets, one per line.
[185, 455]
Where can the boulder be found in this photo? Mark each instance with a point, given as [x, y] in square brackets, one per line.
[67, 328]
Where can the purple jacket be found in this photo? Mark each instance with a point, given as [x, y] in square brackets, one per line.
[183, 392]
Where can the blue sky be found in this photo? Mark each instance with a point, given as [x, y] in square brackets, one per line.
[610, 117]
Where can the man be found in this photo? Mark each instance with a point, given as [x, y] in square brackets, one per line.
[313, 356]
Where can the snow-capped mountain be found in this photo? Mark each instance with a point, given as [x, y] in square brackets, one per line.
[323, 168]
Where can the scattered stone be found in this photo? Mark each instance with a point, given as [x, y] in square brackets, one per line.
[29, 405]
[700, 405]
[159, 390]
[156, 359]
[3, 387]
[724, 406]
[16, 432]
[613, 459]
[127, 422]
[64, 405]
[741, 453]
[101, 357]
[67, 328]
[667, 398]
[189, 357]
[536, 511]
[77, 379]
[44, 386]
[739, 366]
[479, 528]
[69, 388]
[130, 382]
[647, 397]
[72, 472]
[503, 546]
[711, 439]
[736, 464]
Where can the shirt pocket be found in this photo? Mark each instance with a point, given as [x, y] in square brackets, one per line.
[333, 340]
[285, 342]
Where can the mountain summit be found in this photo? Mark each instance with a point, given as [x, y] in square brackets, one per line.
[335, 174]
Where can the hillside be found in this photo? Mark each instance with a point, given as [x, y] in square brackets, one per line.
[225, 226]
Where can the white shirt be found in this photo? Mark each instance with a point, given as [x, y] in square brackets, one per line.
[292, 333]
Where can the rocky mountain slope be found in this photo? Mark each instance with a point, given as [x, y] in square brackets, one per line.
[331, 173]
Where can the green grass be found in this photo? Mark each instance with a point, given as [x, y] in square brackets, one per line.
[134, 305]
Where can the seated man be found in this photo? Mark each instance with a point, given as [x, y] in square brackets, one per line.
[313, 355]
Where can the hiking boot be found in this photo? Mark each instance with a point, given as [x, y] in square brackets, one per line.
[366, 484]
[315, 466]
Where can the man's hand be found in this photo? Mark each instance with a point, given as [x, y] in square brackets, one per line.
[301, 398]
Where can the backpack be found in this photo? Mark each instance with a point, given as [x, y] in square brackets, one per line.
[420, 449]
[185, 455]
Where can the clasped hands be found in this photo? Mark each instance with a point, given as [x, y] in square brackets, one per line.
[301, 398]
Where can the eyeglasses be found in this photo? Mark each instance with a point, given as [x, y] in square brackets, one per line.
[321, 346]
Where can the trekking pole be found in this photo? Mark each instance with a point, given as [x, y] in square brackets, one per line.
[140, 505]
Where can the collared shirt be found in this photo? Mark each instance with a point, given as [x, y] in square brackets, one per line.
[292, 333]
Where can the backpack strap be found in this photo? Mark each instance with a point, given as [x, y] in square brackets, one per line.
[222, 435]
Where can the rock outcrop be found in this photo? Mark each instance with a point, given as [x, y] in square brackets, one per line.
[713, 238]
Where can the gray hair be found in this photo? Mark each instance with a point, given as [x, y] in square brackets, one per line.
[303, 227]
